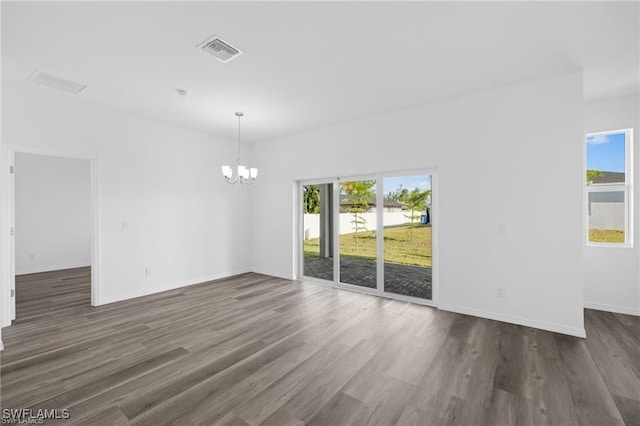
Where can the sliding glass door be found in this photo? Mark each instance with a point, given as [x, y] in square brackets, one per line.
[373, 233]
[358, 242]
[408, 236]
[317, 228]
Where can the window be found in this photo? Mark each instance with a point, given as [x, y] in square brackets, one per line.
[608, 180]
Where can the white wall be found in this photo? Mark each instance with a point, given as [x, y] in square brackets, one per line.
[497, 154]
[184, 222]
[612, 275]
[52, 213]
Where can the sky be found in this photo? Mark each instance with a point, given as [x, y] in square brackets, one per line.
[390, 184]
[606, 152]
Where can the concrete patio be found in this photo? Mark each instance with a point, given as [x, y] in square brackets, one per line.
[401, 279]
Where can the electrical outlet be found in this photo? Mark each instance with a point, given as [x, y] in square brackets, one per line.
[500, 291]
[125, 226]
[147, 272]
[32, 256]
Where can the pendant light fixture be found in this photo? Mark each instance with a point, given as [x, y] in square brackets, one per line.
[244, 175]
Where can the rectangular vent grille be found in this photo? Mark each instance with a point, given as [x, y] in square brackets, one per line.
[220, 49]
[57, 82]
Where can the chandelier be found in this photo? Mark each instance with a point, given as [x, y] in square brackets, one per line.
[244, 175]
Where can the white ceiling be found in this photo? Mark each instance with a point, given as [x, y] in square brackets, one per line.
[308, 65]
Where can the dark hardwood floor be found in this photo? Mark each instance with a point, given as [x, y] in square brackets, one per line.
[255, 350]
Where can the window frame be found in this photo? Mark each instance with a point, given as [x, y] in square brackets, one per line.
[625, 188]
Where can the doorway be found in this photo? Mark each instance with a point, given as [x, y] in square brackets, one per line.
[374, 234]
[52, 209]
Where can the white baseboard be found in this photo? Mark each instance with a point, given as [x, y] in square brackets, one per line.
[556, 328]
[612, 308]
[166, 287]
[50, 268]
[272, 273]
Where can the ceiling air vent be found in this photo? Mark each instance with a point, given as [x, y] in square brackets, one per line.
[222, 50]
[56, 82]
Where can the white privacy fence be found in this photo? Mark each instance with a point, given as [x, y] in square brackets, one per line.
[312, 222]
[606, 210]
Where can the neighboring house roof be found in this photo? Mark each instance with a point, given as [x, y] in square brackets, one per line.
[392, 203]
[609, 178]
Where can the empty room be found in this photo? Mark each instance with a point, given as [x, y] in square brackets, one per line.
[320, 213]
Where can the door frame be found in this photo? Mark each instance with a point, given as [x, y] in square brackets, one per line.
[8, 278]
[379, 178]
[299, 243]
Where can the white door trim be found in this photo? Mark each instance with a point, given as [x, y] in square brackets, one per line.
[7, 279]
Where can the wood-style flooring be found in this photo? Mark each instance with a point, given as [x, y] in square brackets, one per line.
[254, 349]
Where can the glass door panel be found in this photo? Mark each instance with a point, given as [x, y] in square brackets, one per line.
[606, 217]
[357, 231]
[317, 227]
[407, 235]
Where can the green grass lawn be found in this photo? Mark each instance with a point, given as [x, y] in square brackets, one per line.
[606, 236]
[399, 247]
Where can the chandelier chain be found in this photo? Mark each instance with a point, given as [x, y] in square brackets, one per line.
[239, 117]
[244, 175]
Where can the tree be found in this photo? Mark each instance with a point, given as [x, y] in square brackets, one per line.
[592, 174]
[357, 195]
[415, 201]
[397, 195]
[311, 198]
